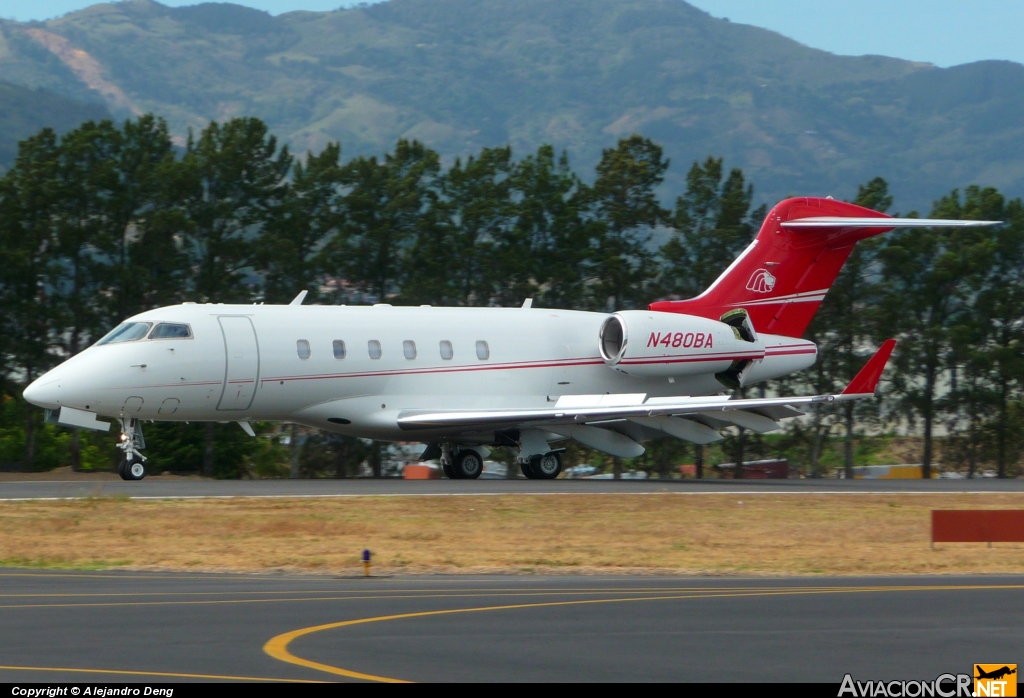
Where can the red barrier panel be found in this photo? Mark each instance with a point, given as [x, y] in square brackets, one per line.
[978, 526]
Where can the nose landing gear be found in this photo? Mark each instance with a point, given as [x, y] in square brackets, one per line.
[132, 441]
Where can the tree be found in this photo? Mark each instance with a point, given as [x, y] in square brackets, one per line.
[924, 273]
[987, 339]
[290, 249]
[78, 216]
[227, 185]
[452, 261]
[145, 265]
[225, 188]
[711, 225]
[624, 200]
[28, 193]
[842, 325]
[547, 251]
[385, 206]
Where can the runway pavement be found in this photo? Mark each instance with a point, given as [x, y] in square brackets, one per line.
[113, 626]
[168, 486]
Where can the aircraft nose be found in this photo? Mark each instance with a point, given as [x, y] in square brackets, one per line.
[44, 391]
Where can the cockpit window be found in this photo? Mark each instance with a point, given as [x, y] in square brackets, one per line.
[126, 332]
[171, 330]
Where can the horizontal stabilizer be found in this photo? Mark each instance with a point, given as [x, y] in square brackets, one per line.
[882, 222]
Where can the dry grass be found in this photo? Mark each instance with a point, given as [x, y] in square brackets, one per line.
[706, 534]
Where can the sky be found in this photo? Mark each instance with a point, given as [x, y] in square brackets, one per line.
[943, 32]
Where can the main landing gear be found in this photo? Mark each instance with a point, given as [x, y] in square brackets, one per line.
[131, 466]
[545, 467]
[467, 463]
[464, 464]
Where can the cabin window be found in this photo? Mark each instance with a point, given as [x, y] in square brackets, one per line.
[374, 348]
[302, 347]
[171, 330]
[339, 349]
[126, 332]
[446, 350]
[483, 352]
[409, 349]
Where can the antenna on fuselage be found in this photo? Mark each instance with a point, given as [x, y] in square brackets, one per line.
[299, 298]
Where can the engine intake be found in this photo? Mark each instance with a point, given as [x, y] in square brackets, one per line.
[652, 344]
[613, 339]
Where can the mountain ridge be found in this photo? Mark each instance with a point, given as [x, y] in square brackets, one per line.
[24, 111]
[464, 74]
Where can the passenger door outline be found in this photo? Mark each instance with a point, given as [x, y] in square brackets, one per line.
[241, 363]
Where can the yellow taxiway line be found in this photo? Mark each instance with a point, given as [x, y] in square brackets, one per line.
[277, 647]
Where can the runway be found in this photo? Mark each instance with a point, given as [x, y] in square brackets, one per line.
[113, 626]
[169, 486]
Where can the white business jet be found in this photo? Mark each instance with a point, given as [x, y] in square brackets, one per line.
[464, 379]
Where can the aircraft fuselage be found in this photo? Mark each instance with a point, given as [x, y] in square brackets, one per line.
[286, 363]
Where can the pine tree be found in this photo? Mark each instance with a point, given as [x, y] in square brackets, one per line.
[624, 201]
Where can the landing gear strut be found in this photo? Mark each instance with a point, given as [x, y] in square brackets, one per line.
[446, 461]
[131, 467]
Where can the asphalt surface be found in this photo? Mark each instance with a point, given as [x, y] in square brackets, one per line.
[172, 486]
[125, 627]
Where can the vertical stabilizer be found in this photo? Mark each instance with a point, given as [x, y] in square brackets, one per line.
[783, 276]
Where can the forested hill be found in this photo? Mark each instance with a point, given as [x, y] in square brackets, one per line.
[24, 111]
[462, 74]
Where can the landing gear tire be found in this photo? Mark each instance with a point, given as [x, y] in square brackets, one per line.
[468, 465]
[448, 471]
[136, 470]
[527, 468]
[131, 469]
[546, 467]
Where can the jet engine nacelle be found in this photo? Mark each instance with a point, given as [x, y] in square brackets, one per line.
[652, 344]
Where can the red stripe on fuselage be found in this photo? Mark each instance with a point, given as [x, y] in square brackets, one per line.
[440, 369]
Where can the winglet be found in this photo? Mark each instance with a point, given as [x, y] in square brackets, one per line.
[299, 298]
[864, 382]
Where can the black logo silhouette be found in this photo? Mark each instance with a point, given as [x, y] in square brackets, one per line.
[996, 674]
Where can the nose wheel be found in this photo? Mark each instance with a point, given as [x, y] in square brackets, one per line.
[131, 469]
[132, 466]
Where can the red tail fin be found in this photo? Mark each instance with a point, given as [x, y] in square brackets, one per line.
[784, 275]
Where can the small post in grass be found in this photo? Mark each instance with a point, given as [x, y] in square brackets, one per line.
[366, 563]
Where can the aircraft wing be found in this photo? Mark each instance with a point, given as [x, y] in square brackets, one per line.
[707, 413]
